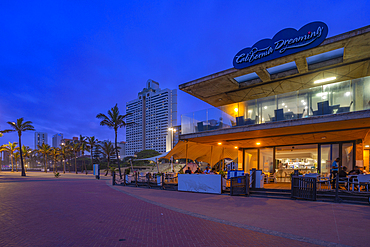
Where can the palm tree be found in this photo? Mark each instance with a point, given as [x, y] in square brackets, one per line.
[1, 149]
[92, 142]
[16, 158]
[26, 151]
[83, 148]
[114, 121]
[64, 153]
[11, 148]
[55, 153]
[20, 127]
[75, 148]
[44, 149]
[107, 150]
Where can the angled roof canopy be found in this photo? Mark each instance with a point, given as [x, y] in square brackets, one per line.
[345, 56]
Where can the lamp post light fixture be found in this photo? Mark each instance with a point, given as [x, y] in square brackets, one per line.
[172, 131]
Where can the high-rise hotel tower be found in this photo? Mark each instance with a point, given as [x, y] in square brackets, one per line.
[153, 113]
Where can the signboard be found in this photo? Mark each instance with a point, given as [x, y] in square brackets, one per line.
[232, 174]
[96, 170]
[285, 42]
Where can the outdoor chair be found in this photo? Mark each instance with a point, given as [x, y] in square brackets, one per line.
[345, 108]
[323, 180]
[360, 180]
[239, 121]
[279, 115]
[343, 181]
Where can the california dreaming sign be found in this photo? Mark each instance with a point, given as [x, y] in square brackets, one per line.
[285, 42]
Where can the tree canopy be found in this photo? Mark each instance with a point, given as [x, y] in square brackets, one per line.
[147, 154]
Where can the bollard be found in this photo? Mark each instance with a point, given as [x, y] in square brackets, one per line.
[163, 181]
[337, 199]
[136, 179]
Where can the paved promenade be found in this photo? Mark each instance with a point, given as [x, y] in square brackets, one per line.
[78, 210]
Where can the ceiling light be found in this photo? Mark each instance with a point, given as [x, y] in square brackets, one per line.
[347, 94]
[367, 146]
[324, 137]
[258, 143]
[236, 110]
[325, 80]
[236, 147]
[219, 143]
[265, 107]
[286, 106]
[283, 104]
[302, 100]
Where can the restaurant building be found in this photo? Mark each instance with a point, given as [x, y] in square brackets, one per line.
[296, 101]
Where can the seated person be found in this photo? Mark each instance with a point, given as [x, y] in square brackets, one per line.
[207, 171]
[198, 171]
[188, 171]
[355, 171]
[343, 176]
[343, 172]
[213, 171]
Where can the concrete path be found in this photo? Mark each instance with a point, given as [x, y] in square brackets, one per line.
[77, 210]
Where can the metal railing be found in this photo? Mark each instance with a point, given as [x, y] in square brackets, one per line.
[239, 185]
[303, 188]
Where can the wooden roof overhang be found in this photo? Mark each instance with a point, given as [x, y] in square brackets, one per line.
[221, 88]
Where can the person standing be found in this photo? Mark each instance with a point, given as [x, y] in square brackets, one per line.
[335, 170]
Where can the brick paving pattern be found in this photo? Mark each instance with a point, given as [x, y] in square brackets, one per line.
[77, 210]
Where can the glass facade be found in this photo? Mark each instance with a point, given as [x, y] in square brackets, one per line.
[281, 161]
[346, 96]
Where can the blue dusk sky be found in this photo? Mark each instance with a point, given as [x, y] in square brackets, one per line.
[63, 62]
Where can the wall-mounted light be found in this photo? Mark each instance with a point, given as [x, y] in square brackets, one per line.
[236, 110]
[325, 80]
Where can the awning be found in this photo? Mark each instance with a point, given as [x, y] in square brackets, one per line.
[154, 159]
[201, 152]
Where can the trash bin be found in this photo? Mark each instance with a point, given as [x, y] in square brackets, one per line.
[259, 178]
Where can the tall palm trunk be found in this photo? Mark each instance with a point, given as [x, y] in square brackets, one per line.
[115, 143]
[11, 158]
[91, 156]
[46, 170]
[20, 153]
[76, 163]
[64, 167]
[108, 168]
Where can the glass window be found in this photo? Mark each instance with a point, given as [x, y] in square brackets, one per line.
[266, 107]
[250, 159]
[347, 155]
[288, 105]
[329, 152]
[338, 97]
[299, 157]
[266, 160]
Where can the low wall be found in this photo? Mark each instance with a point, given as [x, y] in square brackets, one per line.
[204, 183]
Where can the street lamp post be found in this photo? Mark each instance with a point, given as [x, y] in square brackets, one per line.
[172, 131]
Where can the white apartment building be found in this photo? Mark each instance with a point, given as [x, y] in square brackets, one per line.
[40, 138]
[153, 112]
[57, 140]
